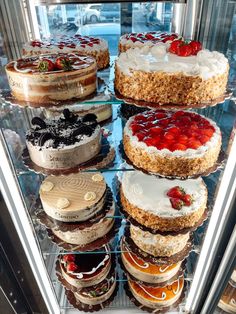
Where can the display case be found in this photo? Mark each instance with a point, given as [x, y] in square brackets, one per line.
[207, 261]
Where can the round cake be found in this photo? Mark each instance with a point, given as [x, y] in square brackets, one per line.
[162, 204]
[76, 197]
[134, 40]
[228, 300]
[170, 143]
[64, 142]
[85, 45]
[102, 112]
[156, 75]
[85, 270]
[156, 244]
[50, 78]
[157, 297]
[146, 271]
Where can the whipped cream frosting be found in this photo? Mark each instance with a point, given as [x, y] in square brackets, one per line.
[205, 64]
[149, 193]
[188, 153]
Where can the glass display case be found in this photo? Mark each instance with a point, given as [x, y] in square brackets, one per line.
[205, 264]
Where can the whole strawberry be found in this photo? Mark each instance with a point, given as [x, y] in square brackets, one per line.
[176, 203]
[176, 192]
[184, 50]
[63, 63]
[71, 266]
[69, 258]
[46, 65]
[187, 199]
[196, 46]
[174, 46]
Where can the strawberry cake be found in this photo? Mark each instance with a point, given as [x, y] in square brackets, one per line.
[134, 40]
[157, 297]
[84, 270]
[172, 143]
[146, 271]
[178, 73]
[48, 79]
[85, 45]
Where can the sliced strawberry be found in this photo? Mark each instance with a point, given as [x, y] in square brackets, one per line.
[174, 129]
[187, 199]
[194, 144]
[178, 114]
[178, 146]
[169, 136]
[134, 39]
[151, 141]
[196, 46]
[176, 203]
[140, 117]
[136, 127]
[90, 44]
[174, 46]
[71, 266]
[149, 36]
[164, 122]
[204, 138]
[156, 130]
[162, 145]
[69, 258]
[208, 132]
[160, 115]
[71, 46]
[176, 192]
[140, 135]
[63, 63]
[184, 50]
[46, 65]
[82, 45]
[182, 139]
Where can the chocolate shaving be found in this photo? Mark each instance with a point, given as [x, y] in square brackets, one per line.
[39, 122]
[44, 137]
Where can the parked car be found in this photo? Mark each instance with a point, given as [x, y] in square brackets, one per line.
[108, 31]
[109, 12]
[92, 13]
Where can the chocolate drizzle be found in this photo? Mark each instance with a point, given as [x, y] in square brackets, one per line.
[64, 131]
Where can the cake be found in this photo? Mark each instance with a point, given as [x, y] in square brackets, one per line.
[228, 300]
[146, 271]
[102, 112]
[171, 143]
[156, 75]
[85, 45]
[157, 244]
[48, 79]
[162, 204]
[134, 40]
[157, 297]
[76, 197]
[85, 270]
[65, 142]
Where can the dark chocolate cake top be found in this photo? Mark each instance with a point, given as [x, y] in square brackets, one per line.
[64, 131]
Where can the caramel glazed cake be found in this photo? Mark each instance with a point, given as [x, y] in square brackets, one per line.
[157, 297]
[38, 80]
[65, 142]
[77, 198]
[228, 300]
[154, 74]
[180, 143]
[146, 271]
[85, 45]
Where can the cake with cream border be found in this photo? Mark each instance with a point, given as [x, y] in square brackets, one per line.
[138, 40]
[64, 142]
[180, 143]
[73, 198]
[228, 299]
[85, 45]
[157, 297]
[156, 75]
[84, 270]
[102, 112]
[146, 271]
[46, 80]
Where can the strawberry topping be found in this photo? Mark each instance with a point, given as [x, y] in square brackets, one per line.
[179, 198]
[185, 49]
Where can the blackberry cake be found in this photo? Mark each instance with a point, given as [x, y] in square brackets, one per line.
[180, 143]
[65, 142]
[85, 45]
[50, 79]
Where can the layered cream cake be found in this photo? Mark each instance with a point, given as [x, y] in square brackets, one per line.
[154, 74]
[85, 270]
[157, 297]
[146, 271]
[157, 244]
[228, 300]
[85, 45]
[102, 112]
[76, 197]
[171, 143]
[162, 204]
[64, 142]
[134, 40]
[50, 78]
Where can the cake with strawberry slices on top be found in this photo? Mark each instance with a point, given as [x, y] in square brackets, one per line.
[83, 45]
[171, 143]
[176, 72]
[48, 79]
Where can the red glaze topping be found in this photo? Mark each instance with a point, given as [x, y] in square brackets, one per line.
[185, 49]
[68, 42]
[151, 36]
[178, 130]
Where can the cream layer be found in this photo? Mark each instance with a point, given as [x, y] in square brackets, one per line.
[227, 307]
